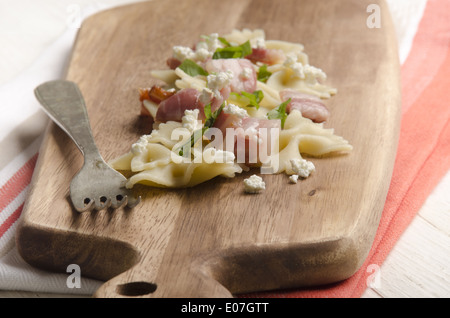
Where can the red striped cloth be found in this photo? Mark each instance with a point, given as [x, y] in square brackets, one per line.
[16, 184]
[13, 191]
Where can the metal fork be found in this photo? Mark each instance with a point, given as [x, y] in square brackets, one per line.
[96, 185]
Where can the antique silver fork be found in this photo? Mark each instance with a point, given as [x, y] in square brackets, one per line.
[96, 185]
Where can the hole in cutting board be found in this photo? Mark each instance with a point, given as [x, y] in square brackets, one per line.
[135, 289]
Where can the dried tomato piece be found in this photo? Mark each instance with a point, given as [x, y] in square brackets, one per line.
[143, 94]
[155, 94]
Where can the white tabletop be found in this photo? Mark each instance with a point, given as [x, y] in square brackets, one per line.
[419, 264]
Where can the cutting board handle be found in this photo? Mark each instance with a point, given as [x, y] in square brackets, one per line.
[181, 284]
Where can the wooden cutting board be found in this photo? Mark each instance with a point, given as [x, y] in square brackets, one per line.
[213, 240]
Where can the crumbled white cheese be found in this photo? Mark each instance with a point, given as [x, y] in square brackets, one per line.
[259, 42]
[190, 120]
[201, 52]
[218, 81]
[293, 178]
[210, 43]
[183, 52]
[206, 96]
[312, 73]
[290, 60]
[302, 167]
[254, 184]
[139, 146]
[307, 72]
[237, 113]
[235, 110]
[246, 73]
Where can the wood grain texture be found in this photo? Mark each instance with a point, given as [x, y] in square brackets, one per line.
[214, 240]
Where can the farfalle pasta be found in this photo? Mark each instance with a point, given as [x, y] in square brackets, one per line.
[232, 103]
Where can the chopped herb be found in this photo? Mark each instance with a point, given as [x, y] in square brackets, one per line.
[233, 52]
[253, 99]
[196, 135]
[191, 68]
[279, 112]
[209, 122]
[263, 73]
[224, 41]
[212, 116]
[207, 111]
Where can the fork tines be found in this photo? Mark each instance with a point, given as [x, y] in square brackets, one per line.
[104, 202]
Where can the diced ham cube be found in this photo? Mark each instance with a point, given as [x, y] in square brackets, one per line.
[173, 107]
[266, 56]
[251, 145]
[310, 106]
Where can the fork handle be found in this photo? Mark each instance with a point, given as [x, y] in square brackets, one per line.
[64, 104]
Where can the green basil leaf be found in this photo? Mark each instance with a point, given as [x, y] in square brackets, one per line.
[253, 99]
[263, 73]
[233, 52]
[191, 68]
[224, 41]
[246, 49]
[198, 134]
[207, 111]
[209, 121]
[279, 112]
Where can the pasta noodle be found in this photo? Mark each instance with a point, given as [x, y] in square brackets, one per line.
[187, 81]
[156, 159]
[283, 79]
[301, 136]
